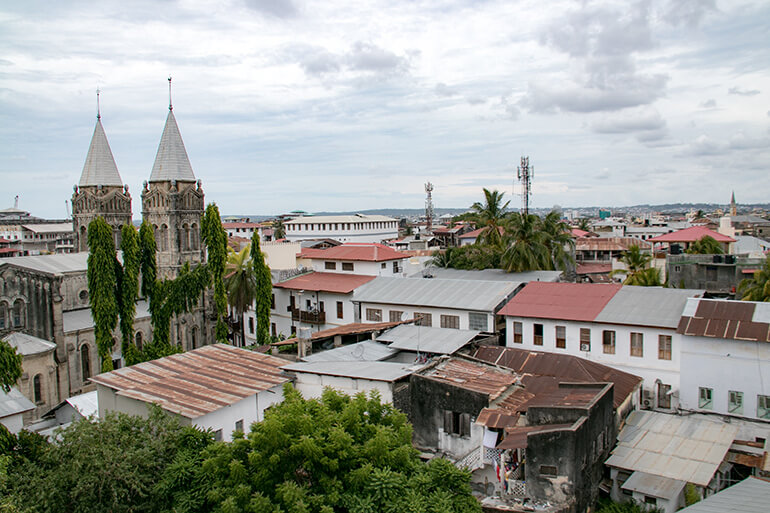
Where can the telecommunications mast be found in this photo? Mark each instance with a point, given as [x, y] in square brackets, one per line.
[525, 175]
[429, 207]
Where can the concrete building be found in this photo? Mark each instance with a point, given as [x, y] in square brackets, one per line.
[684, 238]
[217, 387]
[40, 380]
[353, 228]
[356, 258]
[717, 274]
[13, 406]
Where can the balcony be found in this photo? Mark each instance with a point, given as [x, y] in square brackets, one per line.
[309, 317]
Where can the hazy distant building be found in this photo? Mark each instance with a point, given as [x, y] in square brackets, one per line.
[353, 228]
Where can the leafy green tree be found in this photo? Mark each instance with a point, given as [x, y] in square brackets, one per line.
[279, 230]
[263, 292]
[129, 290]
[757, 288]
[10, 366]
[650, 277]
[102, 287]
[442, 258]
[637, 268]
[526, 245]
[149, 263]
[240, 284]
[334, 454]
[559, 241]
[706, 245]
[584, 224]
[215, 238]
[491, 214]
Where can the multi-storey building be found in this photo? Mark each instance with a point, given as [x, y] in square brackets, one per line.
[353, 228]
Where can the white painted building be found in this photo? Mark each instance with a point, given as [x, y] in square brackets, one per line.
[217, 387]
[459, 304]
[13, 406]
[370, 259]
[629, 328]
[351, 228]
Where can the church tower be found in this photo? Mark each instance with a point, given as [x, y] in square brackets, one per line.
[733, 206]
[100, 191]
[173, 201]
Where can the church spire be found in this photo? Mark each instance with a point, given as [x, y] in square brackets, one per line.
[733, 206]
[100, 167]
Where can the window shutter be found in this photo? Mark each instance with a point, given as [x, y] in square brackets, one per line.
[465, 424]
[447, 421]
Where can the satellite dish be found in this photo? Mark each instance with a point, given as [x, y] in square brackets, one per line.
[358, 352]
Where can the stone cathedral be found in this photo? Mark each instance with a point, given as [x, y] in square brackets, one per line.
[44, 304]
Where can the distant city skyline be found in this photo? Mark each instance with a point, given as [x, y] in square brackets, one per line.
[323, 106]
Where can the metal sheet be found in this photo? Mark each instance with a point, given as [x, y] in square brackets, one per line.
[367, 350]
[427, 339]
[374, 371]
[654, 486]
[647, 306]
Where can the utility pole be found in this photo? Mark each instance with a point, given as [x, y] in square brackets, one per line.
[525, 175]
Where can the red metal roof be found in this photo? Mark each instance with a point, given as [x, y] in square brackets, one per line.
[475, 233]
[325, 282]
[577, 232]
[354, 251]
[240, 225]
[567, 301]
[692, 234]
[197, 382]
[593, 268]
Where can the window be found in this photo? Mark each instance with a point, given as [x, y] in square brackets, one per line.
[637, 344]
[664, 347]
[251, 325]
[347, 266]
[561, 337]
[518, 330]
[340, 311]
[218, 435]
[116, 363]
[272, 301]
[374, 314]
[585, 339]
[395, 315]
[396, 269]
[273, 329]
[239, 425]
[650, 500]
[138, 340]
[548, 470]
[18, 313]
[538, 337]
[384, 265]
[704, 398]
[608, 341]
[330, 266]
[83, 295]
[37, 388]
[477, 321]
[321, 307]
[85, 362]
[735, 402]
[456, 423]
[450, 321]
[664, 395]
[763, 406]
[194, 337]
[3, 315]
[292, 304]
[423, 319]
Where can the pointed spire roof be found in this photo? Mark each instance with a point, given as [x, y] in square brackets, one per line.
[100, 167]
[171, 162]
[732, 201]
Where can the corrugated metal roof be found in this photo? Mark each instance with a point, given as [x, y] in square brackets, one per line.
[354, 252]
[51, 264]
[672, 446]
[647, 306]
[446, 273]
[654, 486]
[171, 161]
[691, 234]
[482, 296]
[752, 495]
[14, 403]
[325, 282]
[737, 320]
[81, 319]
[354, 328]
[197, 382]
[427, 339]
[49, 227]
[86, 404]
[516, 438]
[367, 350]
[567, 301]
[470, 375]
[27, 344]
[374, 371]
[496, 418]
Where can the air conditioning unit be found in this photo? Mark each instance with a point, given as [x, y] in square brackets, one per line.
[585, 347]
[647, 399]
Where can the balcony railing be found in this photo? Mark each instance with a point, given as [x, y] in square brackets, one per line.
[314, 317]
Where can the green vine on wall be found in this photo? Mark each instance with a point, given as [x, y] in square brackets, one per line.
[129, 289]
[103, 287]
[215, 238]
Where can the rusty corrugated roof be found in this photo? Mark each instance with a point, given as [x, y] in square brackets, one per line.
[516, 438]
[197, 382]
[496, 418]
[325, 282]
[567, 301]
[737, 320]
[476, 376]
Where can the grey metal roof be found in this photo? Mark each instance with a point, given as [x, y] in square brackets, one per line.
[482, 296]
[171, 161]
[367, 350]
[374, 371]
[27, 344]
[427, 339]
[100, 167]
[50, 264]
[75, 320]
[86, 404]
[487, 275]
[647, 306]
[683, 448]
[654, 486]
[355, 218]
[14, 403]
[49, 227]
[752, 495]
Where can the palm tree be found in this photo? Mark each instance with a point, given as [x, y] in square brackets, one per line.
[649, 277]
[584, 224]
[526, 245]
[637, 269]
[240, 283]
[757, 288]
[559, 241]
[279, 231]
[706, 245]
[491, 214]
[442, 258]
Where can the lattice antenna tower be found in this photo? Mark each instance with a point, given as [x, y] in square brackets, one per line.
[525, 174]
[429, 206]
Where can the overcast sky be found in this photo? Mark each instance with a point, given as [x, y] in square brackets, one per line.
[330, 105]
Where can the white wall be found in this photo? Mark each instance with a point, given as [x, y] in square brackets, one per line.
[436, 313]
[14, 423]
[724, 365]
[458, 446]
[649, 367]
[311, 386]
[360, 267]
[280, 255]
[363, 231]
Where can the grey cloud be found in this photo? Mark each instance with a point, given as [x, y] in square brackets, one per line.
[740, 142]
[476, 100]
[277, 8]
[742, 92]
[370, 57]
[711, 103]
[442, 89]
[688, 12]
[319, 61]
[645, 121]
[653, 137]
[363, 57]
[705, 146]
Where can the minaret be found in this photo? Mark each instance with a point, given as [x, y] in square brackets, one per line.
[100, 191]
[733, 206]
[172, 201]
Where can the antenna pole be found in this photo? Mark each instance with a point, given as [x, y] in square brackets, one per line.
[98, 109]
[429, 207]
[170, 106]
[525, 175]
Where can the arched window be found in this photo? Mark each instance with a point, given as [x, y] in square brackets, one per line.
[194, 237]
[194, 338]
[163, 243]
[83, 239]
[3, 315]
[85, 362]
[18, 314]
[186, 237]
[37, 388]
[138, 340]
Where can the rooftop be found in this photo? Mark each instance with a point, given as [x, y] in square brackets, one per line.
[471, 375]
[719, 318]
[692, 234]
[749, 496]
[14, 403]
[354, 252]
[374, 371]
[27, 345]
[81, 319]
[171, 161]
[49, 227]
[356, 218]
[51, 264]
[647, 306]
[567, 301]
[325, 282]
[100, 167]
[366, 350]
[447, 273]
[427, 339]
[197, 382]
